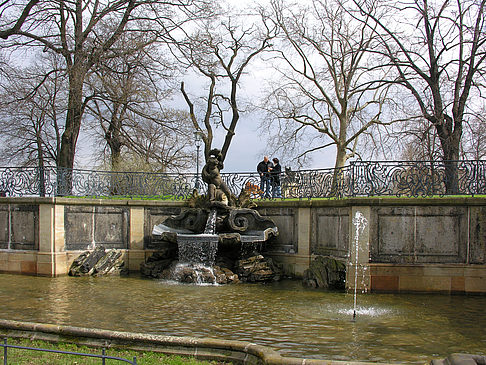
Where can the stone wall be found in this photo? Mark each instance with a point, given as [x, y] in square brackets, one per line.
[408, 245]
[88, 226]
[19, 226]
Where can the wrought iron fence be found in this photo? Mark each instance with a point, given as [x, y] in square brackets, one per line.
[359, 178]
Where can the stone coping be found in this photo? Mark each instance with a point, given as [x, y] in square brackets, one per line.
[277, 203]
[237, 352]
[91, 201]
[374, 201]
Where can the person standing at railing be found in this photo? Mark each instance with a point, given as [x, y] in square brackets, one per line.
[264, 168]
[275, 175]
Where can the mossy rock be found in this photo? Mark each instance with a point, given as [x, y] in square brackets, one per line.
[327, 273]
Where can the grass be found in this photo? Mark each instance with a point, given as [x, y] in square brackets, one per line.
[126, 197]
[31, 357]
[171, 198]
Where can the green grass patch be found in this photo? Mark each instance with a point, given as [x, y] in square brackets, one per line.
[32, 357]
[171, 198]
[127, 197]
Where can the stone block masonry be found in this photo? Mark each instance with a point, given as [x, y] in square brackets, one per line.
[409, 244]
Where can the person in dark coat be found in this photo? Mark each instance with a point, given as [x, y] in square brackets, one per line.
[264, 169]
[275, 175]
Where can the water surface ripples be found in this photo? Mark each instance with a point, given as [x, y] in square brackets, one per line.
[285, 316]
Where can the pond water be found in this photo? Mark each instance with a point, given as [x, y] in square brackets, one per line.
[293, 320]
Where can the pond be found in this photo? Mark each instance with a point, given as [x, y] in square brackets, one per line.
[293, 320]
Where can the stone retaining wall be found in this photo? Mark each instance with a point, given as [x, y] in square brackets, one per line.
[422, 244]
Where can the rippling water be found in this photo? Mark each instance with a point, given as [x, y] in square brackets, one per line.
[285, 316]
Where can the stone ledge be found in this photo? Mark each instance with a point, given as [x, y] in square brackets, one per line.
[278, 203]
[374, 201]
[238, 352]
[91, 201]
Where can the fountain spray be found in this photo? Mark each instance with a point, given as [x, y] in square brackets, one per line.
[360, 222]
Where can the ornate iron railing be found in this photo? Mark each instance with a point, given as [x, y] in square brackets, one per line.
[359, 178]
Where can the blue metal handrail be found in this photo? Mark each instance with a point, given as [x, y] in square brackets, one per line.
[103, 356]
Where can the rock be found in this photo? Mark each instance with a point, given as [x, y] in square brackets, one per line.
[225, 276]
[157, 263]
[98, 263]
[111, 263]
[154, 269]
[325, 272]
[225, 262]
[257, 269]
[198, 274]
[461, 359]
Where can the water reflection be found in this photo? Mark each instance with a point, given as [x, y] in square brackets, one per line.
[293, 320]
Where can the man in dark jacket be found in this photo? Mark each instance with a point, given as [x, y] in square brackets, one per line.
[264, 168]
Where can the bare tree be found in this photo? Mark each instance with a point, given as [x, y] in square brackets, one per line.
[13, 15]
[438, 52]
[474, 141]
[220, 50]
[326, 81]
[83, 32]
[32, 114]
[165, 143]
[127, 93]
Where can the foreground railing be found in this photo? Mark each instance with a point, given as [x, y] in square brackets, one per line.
[360, 178]
[103, 355]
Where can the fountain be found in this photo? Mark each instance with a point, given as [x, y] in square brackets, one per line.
[217, 234]
[360, 222]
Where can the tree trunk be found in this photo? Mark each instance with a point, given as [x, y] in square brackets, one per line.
[113, 138]
[338, 175]
[40, 157]
[71, 132]
[450, 148]
[451, 179]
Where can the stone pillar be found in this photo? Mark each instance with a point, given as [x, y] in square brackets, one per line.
[136, 253]
[304, 226]
[51, 258]
[359, 249]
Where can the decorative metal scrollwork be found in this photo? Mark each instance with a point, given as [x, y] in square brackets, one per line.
[360, 178]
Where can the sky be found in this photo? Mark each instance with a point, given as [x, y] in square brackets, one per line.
[249, 144]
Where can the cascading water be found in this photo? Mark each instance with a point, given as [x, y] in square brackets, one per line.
[197, 252]
[211, 222]
[200, 248]
[231, 229]
[360, 222]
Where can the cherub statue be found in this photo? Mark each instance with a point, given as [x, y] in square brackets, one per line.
[217, 189]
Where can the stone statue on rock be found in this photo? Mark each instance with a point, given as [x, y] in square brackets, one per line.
[218, 191]
[224, 232]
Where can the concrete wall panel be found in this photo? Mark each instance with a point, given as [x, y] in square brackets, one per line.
[436, 234]
[79, 227]
[331, 232]
[4, 226]
[24, 227]
[477, 235]
[86, 227]
[286, 222]
[111, 227]
[154, 216]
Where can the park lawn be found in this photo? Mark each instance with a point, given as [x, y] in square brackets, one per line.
[31, 357]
